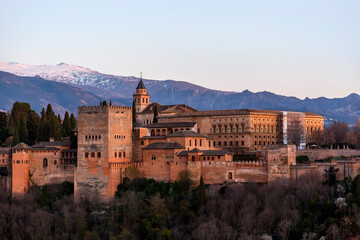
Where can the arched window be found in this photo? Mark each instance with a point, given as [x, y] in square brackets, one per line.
[152, 132]
[230, 176]
[45, 163]
[193, 158]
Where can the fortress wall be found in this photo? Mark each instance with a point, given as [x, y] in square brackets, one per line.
[316, 154]
[217, 172]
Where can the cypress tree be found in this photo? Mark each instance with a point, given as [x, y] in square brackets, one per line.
[33, 125]
[44, 127]
[4, 131]
[66, 126]
[155, 113]
[133, 112]
[202, 193]
[72, 121]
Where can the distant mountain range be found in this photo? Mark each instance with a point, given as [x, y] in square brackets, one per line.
[94, 86]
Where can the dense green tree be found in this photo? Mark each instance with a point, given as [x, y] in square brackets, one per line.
[15, 138]
[23, 133]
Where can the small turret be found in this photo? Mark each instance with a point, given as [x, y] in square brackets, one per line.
[141, 97]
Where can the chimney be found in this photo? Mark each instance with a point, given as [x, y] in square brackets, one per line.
[51, 139]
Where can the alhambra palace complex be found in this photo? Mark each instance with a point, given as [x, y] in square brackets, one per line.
[206, 143]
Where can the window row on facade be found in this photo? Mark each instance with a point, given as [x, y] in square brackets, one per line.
[68, 161]
[263, 143]
[164, 132]
[68, 154]
[196, 142]
[227, 119]
[21, 161]
[230, 143]
[119, 137]
[92, 154]
[92, 137]
[119, 154]
[144, 100]
[264, 128]
[20, 151]
[226, 129]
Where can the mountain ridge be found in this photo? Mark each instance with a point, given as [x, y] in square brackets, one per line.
[175, 92]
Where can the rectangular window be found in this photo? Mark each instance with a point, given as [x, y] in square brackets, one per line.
[195, 142]
[92, 154]
[242, 143]
[153, 157]
[115, 154]
[99, 154]
[200, 142]
[219, 143]
[119, 154]
[124, 154]
[190, 143]
[142, 143]
[86, 155]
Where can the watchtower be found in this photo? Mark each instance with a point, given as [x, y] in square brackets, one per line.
[141, 97]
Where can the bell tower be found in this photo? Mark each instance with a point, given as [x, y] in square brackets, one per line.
[141, 97]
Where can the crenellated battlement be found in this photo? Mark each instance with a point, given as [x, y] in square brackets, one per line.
[95, 109]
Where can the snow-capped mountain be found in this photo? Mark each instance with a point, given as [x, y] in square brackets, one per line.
[62, 72]
[121, 88]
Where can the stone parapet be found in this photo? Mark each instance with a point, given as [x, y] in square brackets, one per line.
[94, 109]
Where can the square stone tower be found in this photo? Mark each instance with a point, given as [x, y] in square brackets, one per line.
[104, 150]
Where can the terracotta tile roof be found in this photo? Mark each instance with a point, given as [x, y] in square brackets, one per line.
[21, 146]
[69, 150]
[170, 108]
[5, 150]
[141, 85]
[171, 124]
[45, 148]
[308, 114]
[153, 137]
[51, 144]
[186, 133]
[204, 152]
[164, 145]
[223, 113]
[215, 152]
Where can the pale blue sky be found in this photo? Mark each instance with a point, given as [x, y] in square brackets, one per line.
[296, 48]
